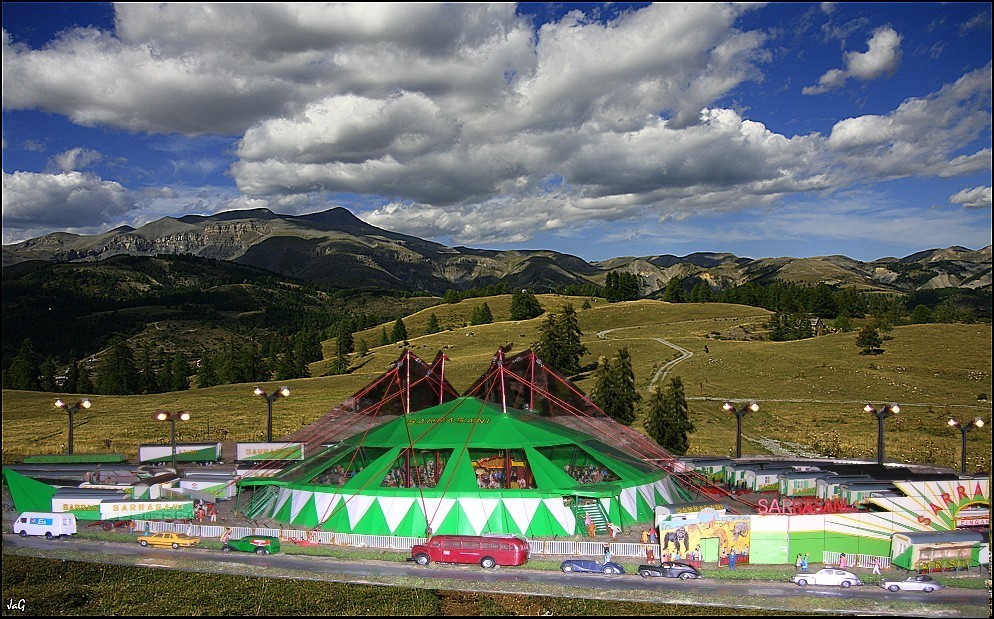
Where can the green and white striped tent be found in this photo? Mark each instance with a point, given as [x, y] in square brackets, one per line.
[459, 467]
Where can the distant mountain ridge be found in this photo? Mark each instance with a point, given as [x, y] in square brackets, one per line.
[338, 249]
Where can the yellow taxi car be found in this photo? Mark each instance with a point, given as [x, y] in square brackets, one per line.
[174, 540]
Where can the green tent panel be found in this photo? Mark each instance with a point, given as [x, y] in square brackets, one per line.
[306, 516]
[500, 521]
[456, 522]
[337, 519]
[413, 523]
[373, 521]
[283, 510]
[29, 495]
[547, 474]
[546, 521]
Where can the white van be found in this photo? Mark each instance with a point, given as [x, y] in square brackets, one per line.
[49, 524]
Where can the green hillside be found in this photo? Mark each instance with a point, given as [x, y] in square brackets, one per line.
[811, 391]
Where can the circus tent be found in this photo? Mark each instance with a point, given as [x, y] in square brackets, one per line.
[522, 452]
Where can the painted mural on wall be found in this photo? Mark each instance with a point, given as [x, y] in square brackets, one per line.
[705, 538]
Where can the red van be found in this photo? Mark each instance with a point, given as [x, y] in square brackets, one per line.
[487, 550]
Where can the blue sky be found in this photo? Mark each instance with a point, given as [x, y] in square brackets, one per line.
[600, 130]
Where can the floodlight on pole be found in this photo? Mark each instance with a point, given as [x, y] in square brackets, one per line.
[885, 411]
[282, 392]
[72, 409]
[963, 429]
[740, 412]
[172, 418]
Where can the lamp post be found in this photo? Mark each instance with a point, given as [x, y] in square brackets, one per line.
[72, 409]
[963, 429]
[282, 392]
[172, 418]
[887, 410]
[751, 407]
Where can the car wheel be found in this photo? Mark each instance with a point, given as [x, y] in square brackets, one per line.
[107, 526]
[225, 548]
[846, 584]
[893, 588]
[644, 573]
[610, 570]
[48, 535]
[260, 551]
[24, 533]
[928, 589]
[802, 583]
[487, 563]
[422, 559]
[143, 543]
[567, 568]
[175, 545]
[687, 576]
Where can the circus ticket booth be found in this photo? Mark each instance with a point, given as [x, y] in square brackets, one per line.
[939, 551]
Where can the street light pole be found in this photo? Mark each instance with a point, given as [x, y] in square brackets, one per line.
[963, 429]
[282, 392]
[751, 407]
[171, 417]
[888, 410]
[72, 409]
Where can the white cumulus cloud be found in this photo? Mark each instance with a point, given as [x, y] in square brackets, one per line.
[978, 197]
[882, 58]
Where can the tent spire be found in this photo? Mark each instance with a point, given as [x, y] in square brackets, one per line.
[503, 393]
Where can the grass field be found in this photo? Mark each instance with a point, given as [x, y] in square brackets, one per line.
[811, 392]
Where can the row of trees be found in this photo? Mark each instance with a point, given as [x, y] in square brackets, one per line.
[666, 413]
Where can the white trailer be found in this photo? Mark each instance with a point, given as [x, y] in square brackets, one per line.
[49, 524]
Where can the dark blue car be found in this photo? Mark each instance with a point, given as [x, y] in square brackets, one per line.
[591, 566]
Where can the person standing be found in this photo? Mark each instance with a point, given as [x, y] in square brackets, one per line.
[645, 536]
[591, 528]
[798, 561]
[842, 561]
[731, 560]
[607, 553]
[804, 563]
[876, 566]
[652, 536]
[650, 555]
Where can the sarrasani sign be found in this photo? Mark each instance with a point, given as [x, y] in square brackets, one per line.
[802, 506]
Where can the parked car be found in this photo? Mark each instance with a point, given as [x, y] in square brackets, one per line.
[918, 582]
[174, 540]
[829, 576]
[669, 569]
[259, 544]
[591, 567]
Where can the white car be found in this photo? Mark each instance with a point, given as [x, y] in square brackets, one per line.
[918, 582]
[829, 576]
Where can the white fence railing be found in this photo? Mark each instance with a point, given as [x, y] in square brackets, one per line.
[565, 548]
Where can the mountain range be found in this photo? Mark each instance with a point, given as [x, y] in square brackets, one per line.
[337, 249]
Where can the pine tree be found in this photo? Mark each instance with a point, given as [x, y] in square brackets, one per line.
[180, 372]
[72, 375]
[363, 348]
[47, 377]
[481, 315]
[118, 373]
[339, 365]
[668, 419]
[399, 333]
[559, 343]
[384, 338]
[524, 305]
[147, 380]
[432, 326]
[206, 372]
[25, 370]
[614, 390]
[869, 340]
[344, 343]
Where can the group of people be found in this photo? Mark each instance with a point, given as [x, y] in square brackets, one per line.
[589, 474]
[494, 480]
[801, 562]
[202, 510]
[422, 476]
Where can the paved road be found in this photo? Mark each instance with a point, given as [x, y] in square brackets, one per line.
[520, 581]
